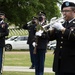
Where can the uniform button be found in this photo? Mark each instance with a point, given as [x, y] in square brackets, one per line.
[60, 46]
[61, 37]
[61, 42]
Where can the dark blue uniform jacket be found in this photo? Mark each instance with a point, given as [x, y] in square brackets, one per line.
[64, 54]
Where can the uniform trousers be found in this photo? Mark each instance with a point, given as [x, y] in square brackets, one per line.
[1, 57]
[39, 61]
[32, 55]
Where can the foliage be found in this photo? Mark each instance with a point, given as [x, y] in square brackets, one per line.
[19, 12]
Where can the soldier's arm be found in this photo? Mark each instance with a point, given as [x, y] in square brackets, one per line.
[5, 30]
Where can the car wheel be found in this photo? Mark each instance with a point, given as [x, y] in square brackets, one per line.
[8, 47]
[51, 48]
[48, 48]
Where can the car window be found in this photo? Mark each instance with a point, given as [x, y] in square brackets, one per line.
[13, 38]
[22, 38]
[26, 38]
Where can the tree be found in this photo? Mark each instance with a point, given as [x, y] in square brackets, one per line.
[19, 12]
[51, 8]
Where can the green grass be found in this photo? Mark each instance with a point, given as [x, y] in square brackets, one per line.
[22, 58]
[49, 59]
[17, 59]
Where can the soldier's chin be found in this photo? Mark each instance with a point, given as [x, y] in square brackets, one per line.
[65, 18]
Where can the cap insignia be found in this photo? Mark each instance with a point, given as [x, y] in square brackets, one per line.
[67, 3]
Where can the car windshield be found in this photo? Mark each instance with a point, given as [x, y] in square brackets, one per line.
[22, 38]
[12, 38]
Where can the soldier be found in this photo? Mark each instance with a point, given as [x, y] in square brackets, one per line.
[31, 27]
[41, 46]
[64, 54]
[3, 32]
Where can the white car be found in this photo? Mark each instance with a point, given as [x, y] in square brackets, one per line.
[16, 42]
[51, 45]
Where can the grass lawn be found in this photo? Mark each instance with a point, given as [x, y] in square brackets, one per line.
[22, 58]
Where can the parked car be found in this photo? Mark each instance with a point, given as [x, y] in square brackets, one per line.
[16, 42]
[51, 45]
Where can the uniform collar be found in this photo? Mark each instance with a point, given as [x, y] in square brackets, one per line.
[71, 20]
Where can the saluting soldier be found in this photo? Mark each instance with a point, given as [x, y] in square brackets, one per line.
[3, 32]
[64, 54]
[31, 27]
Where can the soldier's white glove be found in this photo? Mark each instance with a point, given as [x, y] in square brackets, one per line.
[58, 26]
[39, 33]
[34, 44]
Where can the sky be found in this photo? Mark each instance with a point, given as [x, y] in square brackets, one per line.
[69, 0]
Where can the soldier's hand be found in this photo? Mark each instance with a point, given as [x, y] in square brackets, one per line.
[34, 44]
[58, 26]
[39, 33]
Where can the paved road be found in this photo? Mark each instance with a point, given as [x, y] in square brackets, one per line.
[23, 69]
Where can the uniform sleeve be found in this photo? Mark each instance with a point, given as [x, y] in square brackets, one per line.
[5, 30]
[25, 26]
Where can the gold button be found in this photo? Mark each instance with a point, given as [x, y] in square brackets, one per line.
[60, 46]
[61, 37]
[61, 42]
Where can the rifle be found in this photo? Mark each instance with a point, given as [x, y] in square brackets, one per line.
[38, 27]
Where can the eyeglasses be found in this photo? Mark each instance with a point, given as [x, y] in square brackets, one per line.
[66, 11]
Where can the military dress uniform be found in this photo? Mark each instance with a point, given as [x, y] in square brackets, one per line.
[31, 29]
[40, 50]
[64, 54]
[40, 54]
[3, 32]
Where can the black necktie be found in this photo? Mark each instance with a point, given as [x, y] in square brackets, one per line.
[66, 25]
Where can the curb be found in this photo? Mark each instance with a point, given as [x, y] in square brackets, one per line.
[24, 69]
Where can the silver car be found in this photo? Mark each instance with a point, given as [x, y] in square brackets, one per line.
[16, 42]
[51, 45]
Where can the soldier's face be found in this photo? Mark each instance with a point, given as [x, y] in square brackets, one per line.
[35, 21]
[68, 13]
[41, 18]
[2, 16]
